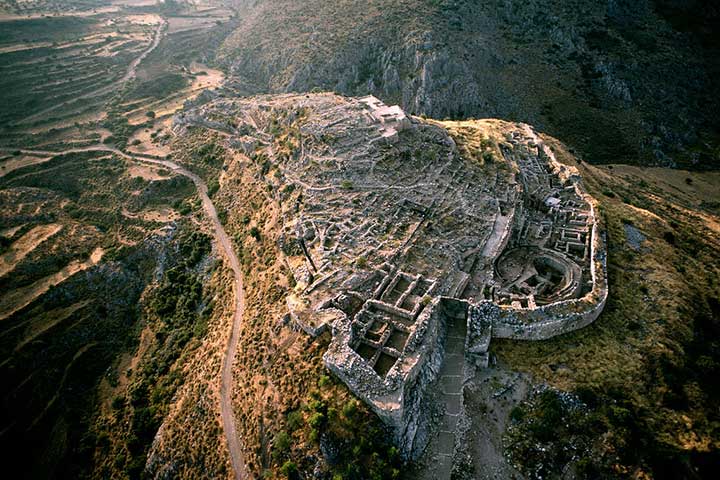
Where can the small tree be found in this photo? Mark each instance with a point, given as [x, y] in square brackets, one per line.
[289, 469]
[281, 447]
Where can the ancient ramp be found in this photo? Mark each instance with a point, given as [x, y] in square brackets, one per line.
[439, 454]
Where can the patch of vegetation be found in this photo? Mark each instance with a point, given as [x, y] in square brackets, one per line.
[550, 431]
[121, 129]
[360, 447]
[178, 312]
[159, 87]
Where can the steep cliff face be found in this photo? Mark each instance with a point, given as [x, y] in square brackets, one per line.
[619, 80]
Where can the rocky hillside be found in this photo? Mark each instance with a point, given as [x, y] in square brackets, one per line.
[618, 80]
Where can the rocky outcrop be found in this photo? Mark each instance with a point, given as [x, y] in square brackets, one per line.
[414, 254]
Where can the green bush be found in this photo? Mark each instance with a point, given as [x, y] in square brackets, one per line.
[213, 187]
[255, 233]
[316, 420]
[289, 469]
[294, 420]
[281, 445]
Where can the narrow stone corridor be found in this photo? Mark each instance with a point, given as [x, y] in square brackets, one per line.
[442, 445]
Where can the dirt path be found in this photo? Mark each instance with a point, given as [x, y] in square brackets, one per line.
[226, 411]
[132, 69]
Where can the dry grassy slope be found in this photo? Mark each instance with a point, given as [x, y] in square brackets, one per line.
[190, 439]
[278, 369]
[58, 342]
[160, 415]
[614, 79]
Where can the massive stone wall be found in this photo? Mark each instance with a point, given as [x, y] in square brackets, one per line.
[557, 318]
[397, 397]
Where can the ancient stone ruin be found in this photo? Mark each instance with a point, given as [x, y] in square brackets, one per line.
[415, 257]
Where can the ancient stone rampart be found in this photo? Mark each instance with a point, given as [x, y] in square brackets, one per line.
[547, 321]
[397, 397]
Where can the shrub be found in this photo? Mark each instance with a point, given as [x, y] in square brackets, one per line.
[281, 445]
[213, 187]
[517, 414]
[289, 469]
[669, 237]
[316, 420]
[294, 420]
[350, 409]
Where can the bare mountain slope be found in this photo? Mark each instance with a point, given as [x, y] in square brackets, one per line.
[614, 79]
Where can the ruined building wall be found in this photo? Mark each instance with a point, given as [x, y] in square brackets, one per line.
[397, 398]
[547, 321]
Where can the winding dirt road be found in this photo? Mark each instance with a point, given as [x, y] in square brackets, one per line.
[226, 410]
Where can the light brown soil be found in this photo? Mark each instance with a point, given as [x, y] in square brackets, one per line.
[17, 299]
[26, 244]
[10, 232]
[162, 215]
[145, 172]
[21, 162]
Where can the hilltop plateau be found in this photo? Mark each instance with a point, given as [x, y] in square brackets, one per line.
[295, 149]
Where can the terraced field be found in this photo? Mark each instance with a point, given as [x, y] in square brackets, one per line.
[64, 78]
[66, 75]
[87, 236]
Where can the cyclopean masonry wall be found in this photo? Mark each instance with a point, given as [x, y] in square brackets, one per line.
[557, 318]
[396, 398]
